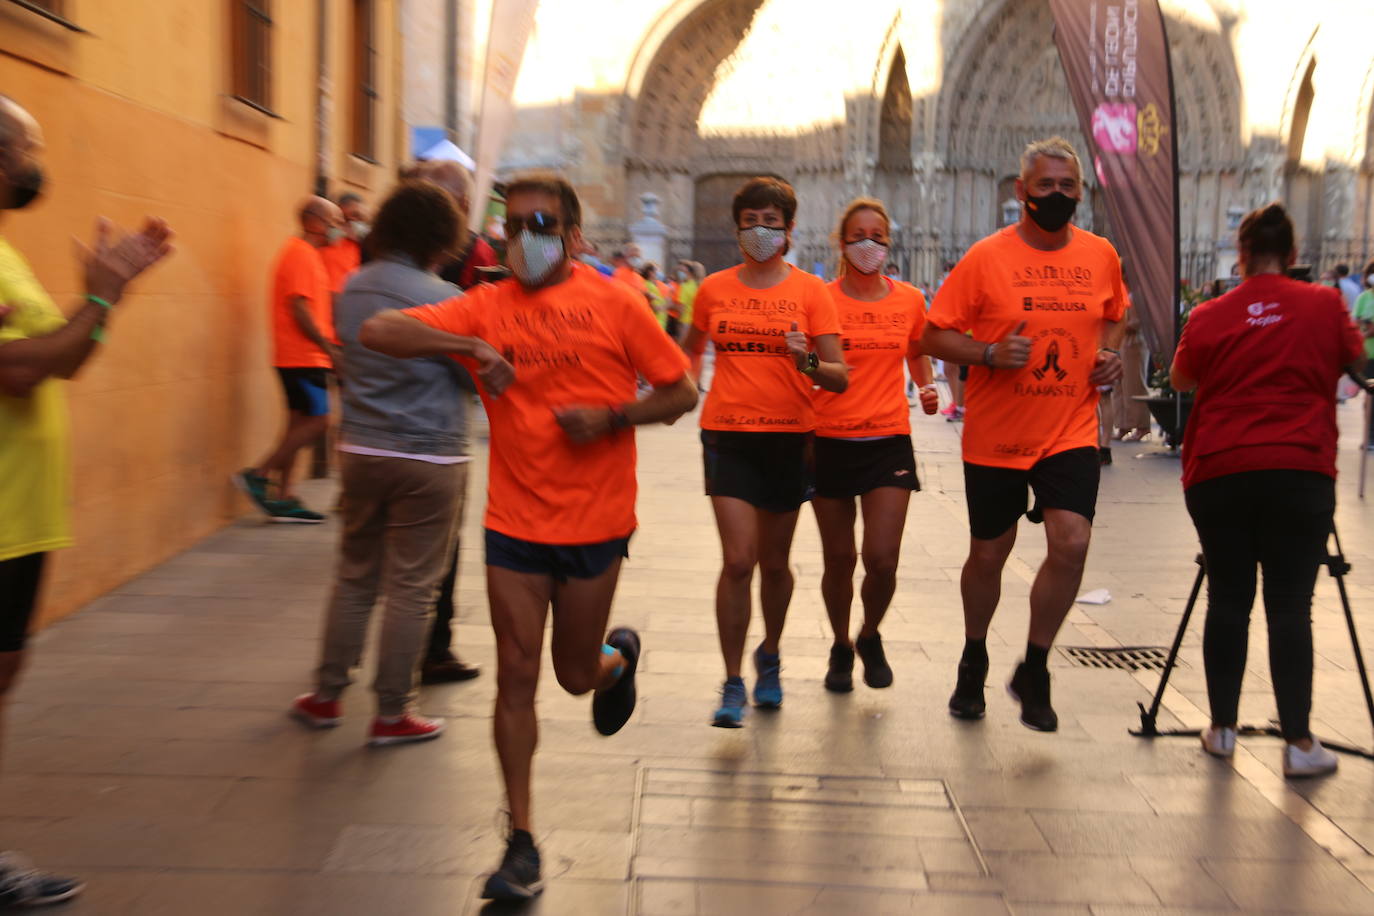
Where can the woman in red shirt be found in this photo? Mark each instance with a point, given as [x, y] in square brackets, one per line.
[1259, 469]
[863, 440]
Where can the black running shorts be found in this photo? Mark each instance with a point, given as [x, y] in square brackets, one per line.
[559, 561]
[19, 579]
[846, 468]
[997, 496]
[770, 471]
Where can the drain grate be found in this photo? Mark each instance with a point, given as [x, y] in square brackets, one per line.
[1127, 658]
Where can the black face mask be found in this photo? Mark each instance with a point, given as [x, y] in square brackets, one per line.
[1051, 212]
[25, 186]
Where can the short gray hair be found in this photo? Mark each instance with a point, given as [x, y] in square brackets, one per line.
[1055, 148]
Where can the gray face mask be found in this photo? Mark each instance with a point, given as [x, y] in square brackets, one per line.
[762, 242]
[533, 256]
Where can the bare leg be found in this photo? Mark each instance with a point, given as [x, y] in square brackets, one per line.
[835, 519]
[775, 573]
[884, 518]
[981, 581]
[519, 606]
[581, 609]
[300, 432]
[1056, 584]
[737, 522]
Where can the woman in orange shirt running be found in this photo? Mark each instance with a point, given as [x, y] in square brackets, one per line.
[863, 440]
[776, 335]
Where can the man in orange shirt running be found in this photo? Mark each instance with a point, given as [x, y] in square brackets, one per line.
[1034, 311]
[561, 493]
[304, 349]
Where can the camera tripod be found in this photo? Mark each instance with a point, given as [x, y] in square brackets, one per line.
[1337, 566]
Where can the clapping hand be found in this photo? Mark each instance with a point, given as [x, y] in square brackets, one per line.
[1107, 369]
[114, 259]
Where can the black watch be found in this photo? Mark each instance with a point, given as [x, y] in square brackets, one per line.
[813, 362]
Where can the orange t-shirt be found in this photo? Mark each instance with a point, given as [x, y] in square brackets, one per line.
[877, 337]
[340, 260]
[631, 278]
[300, 271]
[1018, 416]
[577, 343]
[756, 387]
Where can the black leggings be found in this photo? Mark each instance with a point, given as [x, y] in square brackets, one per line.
[1279, 520]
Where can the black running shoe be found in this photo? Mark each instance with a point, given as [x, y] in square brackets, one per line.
[877, 672]
[611, 708]
[21, 885]
[967, 700]
[1031, 688]
[839, 677]
[518, 877]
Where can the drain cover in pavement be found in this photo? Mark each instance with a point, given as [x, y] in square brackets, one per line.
[1127, 658]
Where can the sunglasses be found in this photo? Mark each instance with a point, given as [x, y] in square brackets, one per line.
[538, 222]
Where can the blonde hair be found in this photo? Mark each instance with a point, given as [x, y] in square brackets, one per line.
[857, 205]
[1054, 148]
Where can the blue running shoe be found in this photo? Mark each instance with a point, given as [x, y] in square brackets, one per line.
[732, 700]
[768, 687]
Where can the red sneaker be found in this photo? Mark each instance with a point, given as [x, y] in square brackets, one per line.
[404, 729]
[314, 712]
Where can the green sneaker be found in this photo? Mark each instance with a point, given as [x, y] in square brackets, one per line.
[254, 487]
[290, 511]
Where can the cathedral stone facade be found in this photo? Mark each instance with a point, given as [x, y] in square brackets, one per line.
[927, 105]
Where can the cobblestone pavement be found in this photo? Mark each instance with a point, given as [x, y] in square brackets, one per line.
[151, 753]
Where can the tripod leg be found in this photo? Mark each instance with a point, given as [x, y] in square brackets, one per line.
[1364, 438]
[1147, 719]
[1336, 563]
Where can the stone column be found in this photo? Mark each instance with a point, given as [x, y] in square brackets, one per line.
[649, 233]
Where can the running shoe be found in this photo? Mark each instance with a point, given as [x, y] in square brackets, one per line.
[1316, 762]
[967, 701]
[839, 677]
[518, 877]
[611, 708]
[1031, 688]
[768, 684]
[1219, 741]
[22, 885]
[732, 702]
[404, 729]
[877, 672]
[254, 487]
[955, 415]
[948, 411]
[291, 512]
[316, 713]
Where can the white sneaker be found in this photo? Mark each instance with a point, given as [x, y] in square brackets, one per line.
[1316, 762]
[1219, 741]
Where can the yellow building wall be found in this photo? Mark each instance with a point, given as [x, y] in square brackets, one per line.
[138, 121]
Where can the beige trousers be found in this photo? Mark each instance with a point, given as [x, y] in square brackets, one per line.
[1126, 412]
[399, 518]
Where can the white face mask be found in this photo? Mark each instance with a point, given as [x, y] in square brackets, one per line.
[762, 242]
[533, 256]
[865, 255]
[360, 229]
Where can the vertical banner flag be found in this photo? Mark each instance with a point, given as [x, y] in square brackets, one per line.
[511, 24]
[1116, 57]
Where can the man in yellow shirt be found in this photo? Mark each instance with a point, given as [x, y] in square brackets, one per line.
[38, 347]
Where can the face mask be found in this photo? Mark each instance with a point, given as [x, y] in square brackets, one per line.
[762, 242]
[533, 256]
[636, 263]
[25, 187]
[1370, 280]
[360, 229]
[333, 234]
[1051, 212]
[866, 255]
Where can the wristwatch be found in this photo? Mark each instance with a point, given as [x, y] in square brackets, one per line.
[813, 363]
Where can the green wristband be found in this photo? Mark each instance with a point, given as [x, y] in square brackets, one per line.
[98, 332]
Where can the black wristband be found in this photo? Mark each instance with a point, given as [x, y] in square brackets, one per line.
[618, 418]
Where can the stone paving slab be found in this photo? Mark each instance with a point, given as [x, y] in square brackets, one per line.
[150, 752]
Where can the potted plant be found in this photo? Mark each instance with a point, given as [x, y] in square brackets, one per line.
[1169, 407]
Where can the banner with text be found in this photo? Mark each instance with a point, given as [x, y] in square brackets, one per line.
[1116, 57]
